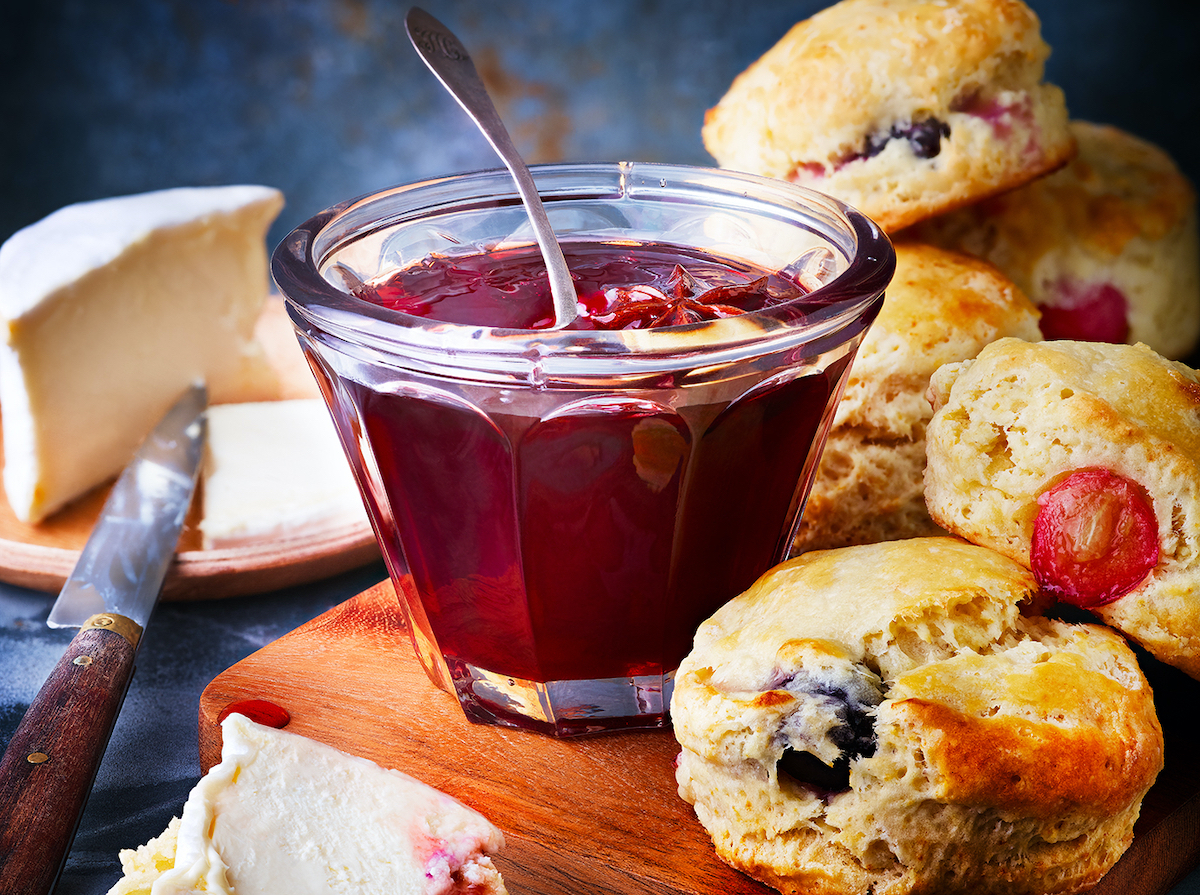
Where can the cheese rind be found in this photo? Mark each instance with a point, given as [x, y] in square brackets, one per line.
[110, 310]
[274, 469]
[282, 814]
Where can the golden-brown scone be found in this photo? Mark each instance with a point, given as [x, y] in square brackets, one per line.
[1107, 247]
[1023, 420]
[902, 108]
[884, 719]
[941, 307]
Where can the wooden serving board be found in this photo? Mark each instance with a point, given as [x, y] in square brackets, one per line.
[597, 814]
[42, 556]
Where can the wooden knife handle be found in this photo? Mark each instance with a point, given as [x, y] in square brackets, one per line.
[51, 761]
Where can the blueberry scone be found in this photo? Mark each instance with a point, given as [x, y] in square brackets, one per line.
[941, 307]
[1107, 247]
[886, 719]
[902, 108]
[1079, 461]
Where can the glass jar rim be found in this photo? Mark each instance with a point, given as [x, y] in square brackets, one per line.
[313, 301]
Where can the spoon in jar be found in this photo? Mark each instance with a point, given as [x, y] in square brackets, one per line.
[448, 59]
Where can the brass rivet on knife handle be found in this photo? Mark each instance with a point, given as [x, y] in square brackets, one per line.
[69, 722]
[118, 624]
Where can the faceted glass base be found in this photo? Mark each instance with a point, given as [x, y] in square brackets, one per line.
[563, 708]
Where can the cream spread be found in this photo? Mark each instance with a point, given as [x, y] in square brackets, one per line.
[282, 814]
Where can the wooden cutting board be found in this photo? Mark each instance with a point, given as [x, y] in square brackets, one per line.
[598, 814]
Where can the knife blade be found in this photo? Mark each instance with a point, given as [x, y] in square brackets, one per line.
[51, 761]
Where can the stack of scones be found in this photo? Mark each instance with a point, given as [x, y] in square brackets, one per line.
[903, 706]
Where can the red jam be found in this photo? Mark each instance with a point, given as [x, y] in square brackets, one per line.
[259, 710]
[1095, 538]
[618, 287]
[1095, 312]
[534, 531]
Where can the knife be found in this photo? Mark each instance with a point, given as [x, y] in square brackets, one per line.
[51, 761]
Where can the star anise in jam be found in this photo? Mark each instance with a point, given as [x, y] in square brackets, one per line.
[683, 300]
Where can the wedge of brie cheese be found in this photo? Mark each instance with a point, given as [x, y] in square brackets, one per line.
[272, 470]
[282, 814]
[110, 309]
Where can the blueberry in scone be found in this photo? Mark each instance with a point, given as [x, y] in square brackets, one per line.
[902, 108]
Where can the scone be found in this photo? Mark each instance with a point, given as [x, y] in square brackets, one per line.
[941, 307]
[1079, 461]
[883, 719]
[902, 108]
[1106, 247]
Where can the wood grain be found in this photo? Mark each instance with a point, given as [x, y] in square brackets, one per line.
[589, 815]
[41, 556]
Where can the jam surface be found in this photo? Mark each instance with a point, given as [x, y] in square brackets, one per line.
[617, 287]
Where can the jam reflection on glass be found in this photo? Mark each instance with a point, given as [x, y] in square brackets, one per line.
[575, 535]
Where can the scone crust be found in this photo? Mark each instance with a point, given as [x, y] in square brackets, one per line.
[1121, 213]
[1011, 752]
[805, 110]
[1020, 417]
[941, 306]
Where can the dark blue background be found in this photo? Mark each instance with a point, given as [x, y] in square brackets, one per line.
[326, 100]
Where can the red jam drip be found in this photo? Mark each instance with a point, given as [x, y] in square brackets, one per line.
[259, 710]
[1095, 538]
[618, 287]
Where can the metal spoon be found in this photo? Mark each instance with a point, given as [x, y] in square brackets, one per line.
[449, 60]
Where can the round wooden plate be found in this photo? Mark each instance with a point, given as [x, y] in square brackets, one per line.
[42, 556]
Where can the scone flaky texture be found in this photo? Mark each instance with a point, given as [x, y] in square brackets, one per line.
[1021, 417]
[941, 306]
[901, 108]
[987, 751]
[1117, 225]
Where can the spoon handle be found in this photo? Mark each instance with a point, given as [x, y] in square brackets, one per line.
[448, 59]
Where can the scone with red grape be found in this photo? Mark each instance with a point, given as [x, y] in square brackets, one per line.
[1079, 461]
[888, 719]
[1107, 247]
[941, 307]
[902, 108]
